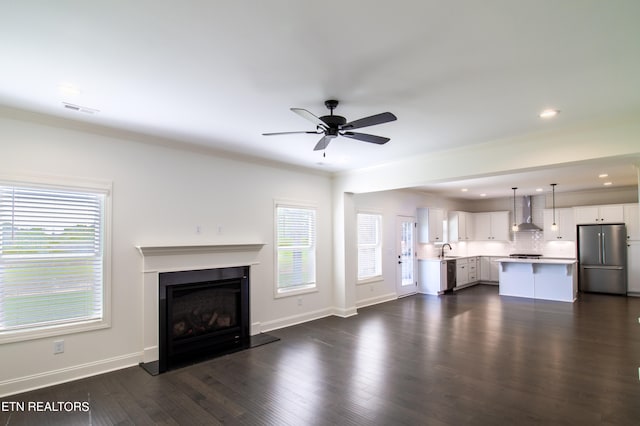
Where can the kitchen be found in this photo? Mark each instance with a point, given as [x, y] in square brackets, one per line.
[547, 254]
[479, 233]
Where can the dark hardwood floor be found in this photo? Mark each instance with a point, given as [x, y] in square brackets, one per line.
[469, 358]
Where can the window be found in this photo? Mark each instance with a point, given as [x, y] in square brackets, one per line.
[296, 248]
[52, 260]
[369, 246]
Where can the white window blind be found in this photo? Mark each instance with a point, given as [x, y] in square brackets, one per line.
[51, 257]
[369, 245]
[296, 248]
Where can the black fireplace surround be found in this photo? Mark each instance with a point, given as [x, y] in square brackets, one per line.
[202, 314]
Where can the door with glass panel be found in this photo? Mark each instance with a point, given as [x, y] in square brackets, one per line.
[406, 282]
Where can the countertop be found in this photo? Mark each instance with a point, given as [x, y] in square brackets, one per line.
[547, 260]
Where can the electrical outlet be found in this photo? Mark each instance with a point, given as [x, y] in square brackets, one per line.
[299, 301]
[58, 347]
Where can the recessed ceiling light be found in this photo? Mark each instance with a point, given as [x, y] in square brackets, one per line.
[538, 189]
[549, 113]
[464, 190]
[483, 195]
[608, 183]
[603, 175]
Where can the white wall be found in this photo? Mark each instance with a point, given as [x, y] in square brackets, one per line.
[160, 196]
[392, 204]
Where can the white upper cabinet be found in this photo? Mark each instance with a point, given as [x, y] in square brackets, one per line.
[460, 226]
[491, 226]
[612, 213]
[566, 225]
[632, 220]
[430, 225]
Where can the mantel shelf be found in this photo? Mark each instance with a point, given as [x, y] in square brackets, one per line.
[198, 248]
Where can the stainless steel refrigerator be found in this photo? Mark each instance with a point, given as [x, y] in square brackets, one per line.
[602, 257]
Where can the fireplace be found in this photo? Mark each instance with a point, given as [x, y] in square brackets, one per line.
[202, 314]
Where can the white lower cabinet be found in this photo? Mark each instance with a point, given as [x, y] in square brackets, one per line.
[473, 263]
[467, 271]
[462, 272]
[432, 276]
[633, 268]
[488, 269]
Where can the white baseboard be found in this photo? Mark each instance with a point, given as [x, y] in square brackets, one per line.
[345, 313]
[375, 300]
[151, 354]
[295, 319]
[50, 378]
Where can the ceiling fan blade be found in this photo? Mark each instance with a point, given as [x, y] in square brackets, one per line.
[322, 144]
[383, 117]
[380, 140]
[308, 116]
[289, 133]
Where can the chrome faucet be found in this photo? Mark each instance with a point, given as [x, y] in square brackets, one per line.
[442, 249]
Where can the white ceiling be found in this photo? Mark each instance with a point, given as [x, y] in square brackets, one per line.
[220, 73]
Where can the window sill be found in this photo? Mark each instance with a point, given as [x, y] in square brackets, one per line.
[296, 291]
[51, 331]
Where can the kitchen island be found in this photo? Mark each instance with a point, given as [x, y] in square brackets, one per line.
[543, 278]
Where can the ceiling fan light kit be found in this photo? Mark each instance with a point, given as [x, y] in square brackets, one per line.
[332, 126]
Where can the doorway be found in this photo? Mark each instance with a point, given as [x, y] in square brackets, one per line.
[406, 282]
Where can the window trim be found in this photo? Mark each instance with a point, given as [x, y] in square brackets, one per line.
[302, 289]
[70, 184]
[373, 278]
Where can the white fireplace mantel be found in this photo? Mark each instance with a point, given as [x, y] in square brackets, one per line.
[157, 259]
[200, 248]
[166, 258]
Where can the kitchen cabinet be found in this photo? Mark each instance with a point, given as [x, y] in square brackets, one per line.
[491, 226]
[549, 279]
[467, 271]
[461, 226]
[430, 223]
[633, 268]
[632, 220]
[473, 263]
[432, 276]
[612, 213]
[566, 225]
[489, 271]
[462, 272]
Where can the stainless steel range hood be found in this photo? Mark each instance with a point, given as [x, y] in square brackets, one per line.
[527, 224]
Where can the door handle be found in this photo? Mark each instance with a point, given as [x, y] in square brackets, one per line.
[399, 262]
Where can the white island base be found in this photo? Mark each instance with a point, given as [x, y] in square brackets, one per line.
[549, 279]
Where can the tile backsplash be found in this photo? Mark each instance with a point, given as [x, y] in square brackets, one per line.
[523, 242]
[531, 242]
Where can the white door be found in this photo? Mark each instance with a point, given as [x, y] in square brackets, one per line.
[406, 282]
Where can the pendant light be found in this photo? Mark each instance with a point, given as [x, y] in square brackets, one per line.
[554, 227]
[514, 228]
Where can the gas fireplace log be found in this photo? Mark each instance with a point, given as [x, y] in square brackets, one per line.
[213, 319]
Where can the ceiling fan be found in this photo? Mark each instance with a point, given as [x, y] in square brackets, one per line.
[333, 126]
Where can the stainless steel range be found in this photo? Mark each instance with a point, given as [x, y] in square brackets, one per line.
[525, 256]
